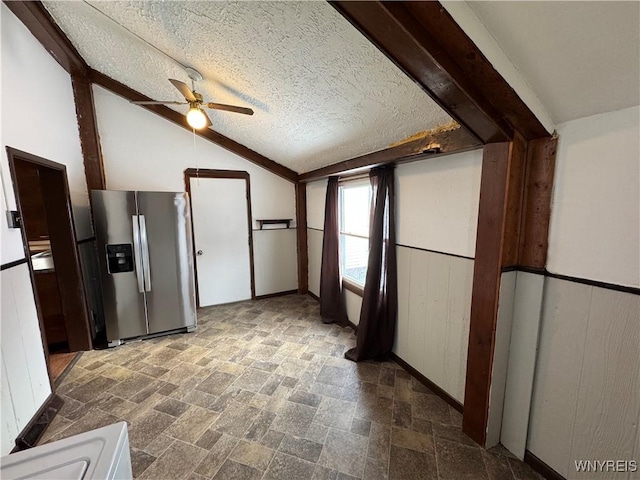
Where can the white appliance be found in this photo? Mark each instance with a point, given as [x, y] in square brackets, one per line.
[99, 454]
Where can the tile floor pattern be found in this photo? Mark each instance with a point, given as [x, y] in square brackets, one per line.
[262, 391]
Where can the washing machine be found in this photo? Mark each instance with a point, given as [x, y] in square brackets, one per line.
[99, 454]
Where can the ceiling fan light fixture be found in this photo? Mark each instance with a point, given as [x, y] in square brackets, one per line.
[196, 118]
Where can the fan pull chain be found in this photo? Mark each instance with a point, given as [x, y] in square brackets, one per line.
[195, 151]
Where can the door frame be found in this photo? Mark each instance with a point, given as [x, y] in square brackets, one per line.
[68, 271]
[190, 173]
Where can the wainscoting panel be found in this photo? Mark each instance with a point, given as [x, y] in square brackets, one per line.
[586, 399]
[314, 244]
[23, 363]
[434, 305]
[609, 395]
[275, 261]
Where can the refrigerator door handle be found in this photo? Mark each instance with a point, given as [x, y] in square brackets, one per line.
[145, 254]
[137, 255]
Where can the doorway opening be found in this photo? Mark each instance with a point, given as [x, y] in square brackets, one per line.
[222, 235]
[48, 232]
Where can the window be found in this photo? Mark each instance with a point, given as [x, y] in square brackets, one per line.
[355, 205]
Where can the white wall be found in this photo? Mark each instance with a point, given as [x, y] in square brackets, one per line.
[38, 116]
[436, 215]
[143, 151]
[437, 203]
[595, 218]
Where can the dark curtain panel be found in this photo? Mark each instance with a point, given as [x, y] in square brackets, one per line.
[377, 325]
[332, 307]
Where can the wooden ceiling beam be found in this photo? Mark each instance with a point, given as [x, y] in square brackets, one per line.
[424, 41]
[181, 120]
[449, 142]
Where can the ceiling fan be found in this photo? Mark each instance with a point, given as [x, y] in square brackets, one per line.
[196, 117]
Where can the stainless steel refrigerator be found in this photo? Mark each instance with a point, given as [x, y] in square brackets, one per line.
[146, 262]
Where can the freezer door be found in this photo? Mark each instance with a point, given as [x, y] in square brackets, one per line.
[167, 254]
[121, 275]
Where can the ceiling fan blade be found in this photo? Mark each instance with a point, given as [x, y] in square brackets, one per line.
[209, 123]
[159, 102]
[230, 108]
[184, 90]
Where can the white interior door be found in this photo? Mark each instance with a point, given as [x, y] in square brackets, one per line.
[221, 231]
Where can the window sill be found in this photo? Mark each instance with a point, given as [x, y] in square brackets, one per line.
[352, 287]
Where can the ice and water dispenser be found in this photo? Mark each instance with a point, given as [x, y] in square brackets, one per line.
[120, 258]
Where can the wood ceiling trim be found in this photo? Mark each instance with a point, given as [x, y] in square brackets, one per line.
[450, 142]
[181, 120]
[424, 41]
[42, 26]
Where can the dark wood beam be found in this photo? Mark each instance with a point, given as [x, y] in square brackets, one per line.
[536, 206]
[42, 26]
[424, 41]
[88, 130]
[452, 141]
[181, 120]
[498, 187]
[301, 234]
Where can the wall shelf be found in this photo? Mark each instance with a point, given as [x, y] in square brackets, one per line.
[273, 221]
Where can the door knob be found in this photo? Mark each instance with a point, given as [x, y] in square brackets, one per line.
[199, 252]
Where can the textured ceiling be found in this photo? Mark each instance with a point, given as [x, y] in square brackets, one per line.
[581, 58]
[320, 91]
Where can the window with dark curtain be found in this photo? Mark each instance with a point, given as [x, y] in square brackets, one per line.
[332, 307]
[377, 326]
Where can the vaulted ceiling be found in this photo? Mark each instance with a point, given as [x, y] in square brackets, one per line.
[321, 92]
[580, 58]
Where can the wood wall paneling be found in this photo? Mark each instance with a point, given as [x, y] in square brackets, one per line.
[403, 258]
[565, 315]
[457, 334]
[434, 301]
[522, 360]
[22, 350]
[417, 311]
[502, 337]
[437, 282]
[275, 268]
[608, 402]
[353, 304]
[302, 248]
[314, 241]
[8, 427]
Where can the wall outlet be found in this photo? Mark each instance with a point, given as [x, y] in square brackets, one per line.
[13, 219]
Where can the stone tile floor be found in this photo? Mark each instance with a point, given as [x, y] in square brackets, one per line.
[261, 391]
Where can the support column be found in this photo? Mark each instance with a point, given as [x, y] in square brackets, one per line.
[301, 233]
